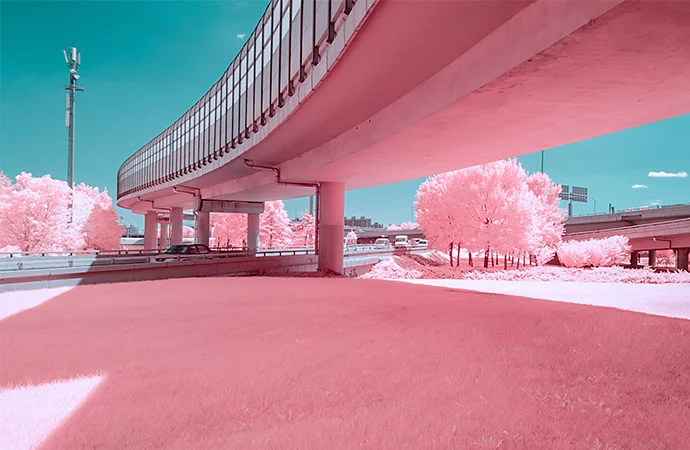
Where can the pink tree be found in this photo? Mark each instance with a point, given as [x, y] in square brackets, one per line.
[304, 232]
[103, 229]
[405, 226]
[34, 214]
[436, 214]
[274, 226]
[229, 229]
[548, 217]
[188, 232]
[487, 207]
[95, 219]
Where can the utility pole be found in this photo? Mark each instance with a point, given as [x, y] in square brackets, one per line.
[542, 161]
[73, 60]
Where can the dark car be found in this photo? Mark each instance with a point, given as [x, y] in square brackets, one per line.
[177, 251]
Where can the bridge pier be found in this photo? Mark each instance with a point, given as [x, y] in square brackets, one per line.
[652, 258]
[176, 215]
[682, 258]
[252, 232]
[150, 229]
[164, 235]
[634, 258]
[203, 228]
[331, 225]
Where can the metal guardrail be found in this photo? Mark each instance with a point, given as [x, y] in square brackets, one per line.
[86, 261]
[630, 210]
[288, 42]
[28, 264]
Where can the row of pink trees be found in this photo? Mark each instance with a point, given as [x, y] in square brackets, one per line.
[35, 214]
[275, 228]
[494, 208]
[405, 226]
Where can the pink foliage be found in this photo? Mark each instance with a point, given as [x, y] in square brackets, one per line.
[405, 226]
[389, 270]
[94, 215]
[229, 230]
[34, 215]
[594, 252]
[188, 232]
[665, 258]
[103, 229]
[430, 266]
[351, 236]
[490, 207]
[304, 232]
[275, 231]
[547, 226]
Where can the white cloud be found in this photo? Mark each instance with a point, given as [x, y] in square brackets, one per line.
[241, 36]
[663, 174]
[639, 186]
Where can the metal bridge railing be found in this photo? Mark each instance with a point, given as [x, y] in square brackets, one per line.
[622, 211]
[286, 44]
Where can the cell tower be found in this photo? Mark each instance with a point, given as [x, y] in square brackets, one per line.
[73, 60]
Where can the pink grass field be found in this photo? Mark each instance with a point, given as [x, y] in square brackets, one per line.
[341, 363]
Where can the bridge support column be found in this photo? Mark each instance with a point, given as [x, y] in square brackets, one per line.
[150, 230]
[164, 236]
[252, 232]
[203, 228]
[682, 258]
[652, 258]
[634, 258]
[331, 226]
[176, 215]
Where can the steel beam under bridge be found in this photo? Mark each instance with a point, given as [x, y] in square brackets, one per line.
[230, 206]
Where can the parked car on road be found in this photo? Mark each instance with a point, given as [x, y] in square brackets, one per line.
[177, 251]
[420, 243]
[382, 243]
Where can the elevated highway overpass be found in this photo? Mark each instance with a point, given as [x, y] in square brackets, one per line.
[600, 222]
[670, 235]
[344, 94]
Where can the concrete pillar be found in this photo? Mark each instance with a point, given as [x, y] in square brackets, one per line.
[203, 228]
[331, 227]
[164, 236]
[252, 232]
[682, 258]
[652, 258]
[150, 230]
[634, 258]
[176, 215]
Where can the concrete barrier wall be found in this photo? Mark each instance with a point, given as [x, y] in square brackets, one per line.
[268, 265]
[39, 279]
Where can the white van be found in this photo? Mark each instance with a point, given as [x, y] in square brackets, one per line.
[401, 241]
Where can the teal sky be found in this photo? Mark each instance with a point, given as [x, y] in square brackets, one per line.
[145, 62]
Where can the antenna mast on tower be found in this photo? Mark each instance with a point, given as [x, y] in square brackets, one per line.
[73, 60]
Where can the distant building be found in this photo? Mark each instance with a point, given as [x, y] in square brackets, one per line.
[131, 230]
[361, 222]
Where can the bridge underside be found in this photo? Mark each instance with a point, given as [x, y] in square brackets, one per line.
[396, 108]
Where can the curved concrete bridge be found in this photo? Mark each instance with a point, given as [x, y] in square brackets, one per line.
[344, 94]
